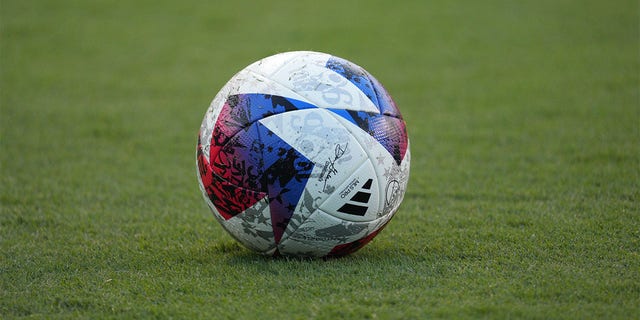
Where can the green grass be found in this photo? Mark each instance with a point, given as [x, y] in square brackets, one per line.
[524, 199]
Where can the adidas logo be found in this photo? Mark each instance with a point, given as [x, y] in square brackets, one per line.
[359, 201]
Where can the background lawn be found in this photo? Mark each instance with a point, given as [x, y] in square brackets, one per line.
[524, 200]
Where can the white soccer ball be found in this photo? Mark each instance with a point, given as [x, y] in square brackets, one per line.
[303, 154]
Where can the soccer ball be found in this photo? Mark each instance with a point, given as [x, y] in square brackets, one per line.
[303, 154]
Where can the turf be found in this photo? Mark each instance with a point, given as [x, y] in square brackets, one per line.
[524, 198]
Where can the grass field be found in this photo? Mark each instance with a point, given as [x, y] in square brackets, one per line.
[524, 199]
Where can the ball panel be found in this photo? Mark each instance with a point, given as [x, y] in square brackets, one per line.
[323, 140]
[241, 110]
[358, 198]
[248, 81]
[286, 174]
[322, 86]
[205, 176]
[392, 135]
[385, 103]
[397, 184]
[252, 227]
[239, 159]
[243, 88]
[351, 247]
[392, 177]
[227, 198]
[354, 74]
[256, 164]
[271, 64]
[230, 199]
[321, 232]
[367, 83]
[209, 121]
[390, 132]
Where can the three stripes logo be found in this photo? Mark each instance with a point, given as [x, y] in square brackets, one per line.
[357, 205]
